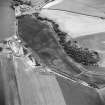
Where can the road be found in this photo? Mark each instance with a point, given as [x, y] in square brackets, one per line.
[75, 25]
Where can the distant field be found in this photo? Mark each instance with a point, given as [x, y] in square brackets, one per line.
[76, 94]
[82, 6]
[75, 24]
[94, 41]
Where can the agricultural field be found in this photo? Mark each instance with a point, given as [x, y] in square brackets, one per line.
[7, 20]
[42, 88]
[75, 24]
[93, 41]
[90, 7]
[76, 94]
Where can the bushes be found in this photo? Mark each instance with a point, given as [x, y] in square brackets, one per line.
[79, 54]
[72, 48]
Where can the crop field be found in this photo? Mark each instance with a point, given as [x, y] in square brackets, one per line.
[76, 94]
[90, 7]
[93, 41]
[75, 24]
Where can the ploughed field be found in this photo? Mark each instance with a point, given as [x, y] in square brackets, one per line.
[76, 94]
[42, 38]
